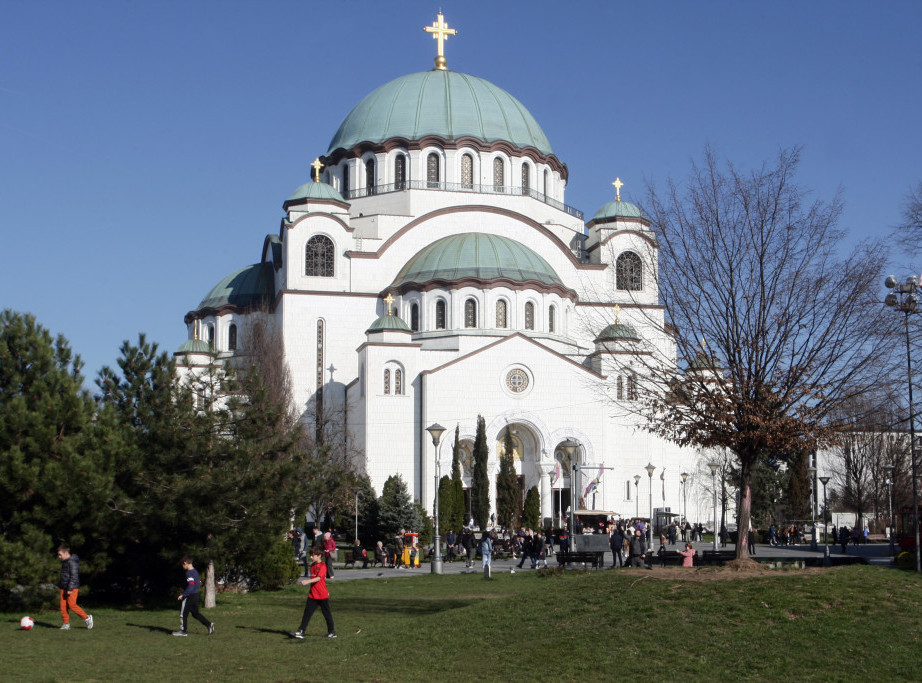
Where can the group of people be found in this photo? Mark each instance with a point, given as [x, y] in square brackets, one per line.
[301, 544]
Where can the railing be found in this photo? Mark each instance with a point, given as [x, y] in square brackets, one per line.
[463, 187]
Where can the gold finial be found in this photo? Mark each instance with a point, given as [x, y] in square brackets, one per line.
[618, 185]
[389, 300]
[316, 166]
[440, 32]
[704, 345]
[617, 310]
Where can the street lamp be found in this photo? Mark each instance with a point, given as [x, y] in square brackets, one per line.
[637, 495]
[889, 471]
[825, 480]
[650, 469]
[684, 476]
[571, 448]
[904, 298]
[812, 472]
[713, 467]
[356, 491]
[436, 431]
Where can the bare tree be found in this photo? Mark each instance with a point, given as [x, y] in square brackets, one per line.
[909, 231]
[792, 330]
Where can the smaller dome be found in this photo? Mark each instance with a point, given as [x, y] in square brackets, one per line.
[246, 287]
[618, 332]
[316, 191]
[388, 322]
[193, 346]
[703, 362]
[617, 209]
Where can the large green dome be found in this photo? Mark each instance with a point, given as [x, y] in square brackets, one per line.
[443, 103]
[250, 286]
[478, 256]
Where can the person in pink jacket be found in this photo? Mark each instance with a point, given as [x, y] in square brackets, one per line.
[688, 555]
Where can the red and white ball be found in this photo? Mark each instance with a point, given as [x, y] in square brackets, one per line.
[26, 623]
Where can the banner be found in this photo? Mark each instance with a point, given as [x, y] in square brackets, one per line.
[557, 475]
[662, 478]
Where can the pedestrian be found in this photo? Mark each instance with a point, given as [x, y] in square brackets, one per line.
[190, 598]
[486, 550]
[329, 552]
[528, 548]
[468, 543]
[688, 555]
[318, 596]
[638, 552]
[70, 588]
[616, 543]
[450, 540]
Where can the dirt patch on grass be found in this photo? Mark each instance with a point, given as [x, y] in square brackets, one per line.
[738, 569]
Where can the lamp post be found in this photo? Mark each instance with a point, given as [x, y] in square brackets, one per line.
[825, 480]
[356, 491]
[713, 467]
[571, 448]
[637, 495]
[889, 471]
[650, 469]
[684, 476]
[904, 298]
[436, 431]
[812, 472]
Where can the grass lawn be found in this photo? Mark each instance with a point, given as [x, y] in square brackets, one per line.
[849, 623]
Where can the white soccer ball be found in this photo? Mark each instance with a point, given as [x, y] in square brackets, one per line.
[512, 571]
[26, 623]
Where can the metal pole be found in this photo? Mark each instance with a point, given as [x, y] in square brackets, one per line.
[890, 511]
[650, 529]
[714, 485]
[912, 450]
[826, 560]
[436, 432]
[356, 513]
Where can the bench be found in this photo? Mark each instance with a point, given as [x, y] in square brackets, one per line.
[717, 557]
[669, 558]
[586, 557]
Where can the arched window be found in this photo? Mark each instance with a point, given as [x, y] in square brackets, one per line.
[400, 172]
[370, 176]
[628, 272]
[318, 261]
[631, 387]
[467, 171]
[345, 180]
[440, 314]
[232, 337]
[387, 381]
[551, 318]
[470, 313]
[529, 316]
[619, 391]
[499, 174]
[545, 182]
[209, 336]
[526, 175]
[398, 381]
[414, 317]
[432, 170]
[502, 319]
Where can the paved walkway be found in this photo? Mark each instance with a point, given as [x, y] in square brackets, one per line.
[876, 553]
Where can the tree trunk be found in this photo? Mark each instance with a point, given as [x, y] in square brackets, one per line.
[209, 586]
[745, 511]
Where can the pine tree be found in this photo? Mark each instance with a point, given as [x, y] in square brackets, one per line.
[480, 489]
[531, 515]
[456, 521]
[54, 477]
[507, 486]
[395, 509]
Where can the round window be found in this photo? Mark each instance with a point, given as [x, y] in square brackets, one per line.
[517, 380]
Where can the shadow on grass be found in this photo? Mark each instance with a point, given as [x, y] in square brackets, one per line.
[152, 629]
[273, 631]
[409, 606]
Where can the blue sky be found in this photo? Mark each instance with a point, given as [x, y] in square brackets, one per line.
[146, 148]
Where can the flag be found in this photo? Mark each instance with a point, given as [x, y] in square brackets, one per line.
[557, 475]
[662, 478]
[594, 484]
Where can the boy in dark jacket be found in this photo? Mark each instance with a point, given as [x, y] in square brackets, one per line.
[190, 598]
[70, 587]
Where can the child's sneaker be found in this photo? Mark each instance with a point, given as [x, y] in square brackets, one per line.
[331, 635]
[297, 634]
[65, 627]
[89, 621]
[180, 634]
[211, 629]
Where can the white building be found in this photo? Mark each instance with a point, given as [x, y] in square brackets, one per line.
[441, 192]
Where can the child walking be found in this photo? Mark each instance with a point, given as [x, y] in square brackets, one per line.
[318, 595]
[70, 587]
[190, 597]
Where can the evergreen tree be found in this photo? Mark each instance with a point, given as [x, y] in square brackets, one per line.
[457, 521]
[531, 515]
[395, 508]
[54, 473]
[480, 489]
[507, 486]
[446, 504]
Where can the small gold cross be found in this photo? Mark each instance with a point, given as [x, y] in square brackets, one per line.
[316, 166]
[389, 300]
[618, 185]
[617, 310]
[440, 32]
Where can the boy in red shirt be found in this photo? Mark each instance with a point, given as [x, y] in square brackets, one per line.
[318, 595]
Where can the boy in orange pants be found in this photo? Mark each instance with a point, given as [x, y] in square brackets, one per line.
[70, 587]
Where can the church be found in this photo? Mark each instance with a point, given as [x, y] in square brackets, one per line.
[431, 271]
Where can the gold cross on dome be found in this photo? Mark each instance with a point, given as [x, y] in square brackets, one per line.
[704, 345]
[389, 300]
[316, 166]
[440, 32]
[618, 185]
[617, 310]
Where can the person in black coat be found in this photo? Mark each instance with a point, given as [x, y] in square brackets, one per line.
[617, 545]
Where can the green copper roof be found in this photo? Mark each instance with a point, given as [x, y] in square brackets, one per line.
[246, 287]
[388, 322]
[476, 255]
[704, 361]
[618, 331]
[312, 190]
[617, 209]
[194, 346]
[443, 103]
